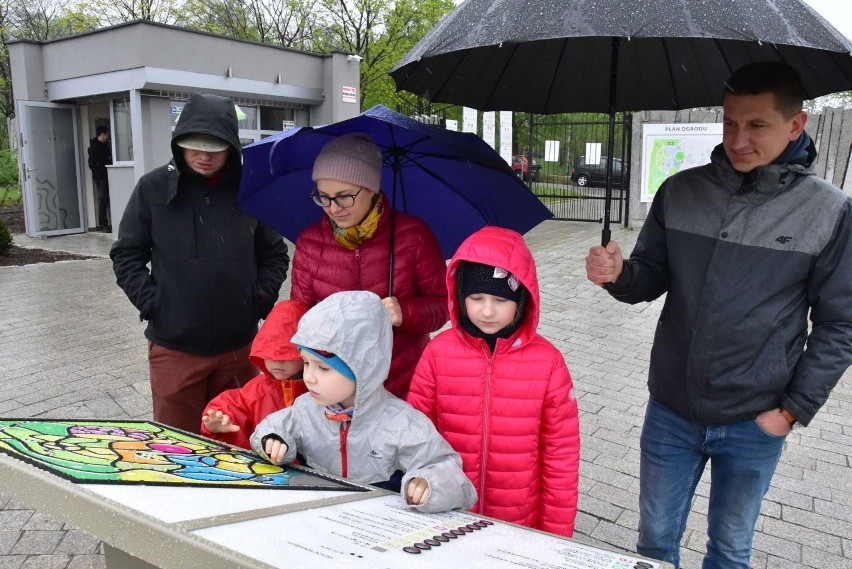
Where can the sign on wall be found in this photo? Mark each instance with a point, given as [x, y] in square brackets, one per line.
[489, 126]
[349, 94]
[551, 151]
[469, 118]
[670, 148]
[506, 136]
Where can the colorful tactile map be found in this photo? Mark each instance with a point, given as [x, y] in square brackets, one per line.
[145, 452]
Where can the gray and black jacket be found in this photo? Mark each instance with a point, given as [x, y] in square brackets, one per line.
[743, 260]
[215, 270]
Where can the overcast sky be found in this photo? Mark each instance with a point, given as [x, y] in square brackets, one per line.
[838, 12]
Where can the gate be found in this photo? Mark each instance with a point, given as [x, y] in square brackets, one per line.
[568, 182]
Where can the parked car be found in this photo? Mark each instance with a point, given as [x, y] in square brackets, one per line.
[523, 171]
[584, 174]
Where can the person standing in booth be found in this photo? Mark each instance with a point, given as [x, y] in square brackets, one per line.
[100, 156]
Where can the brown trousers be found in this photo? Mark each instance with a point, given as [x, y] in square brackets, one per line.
[183, 383]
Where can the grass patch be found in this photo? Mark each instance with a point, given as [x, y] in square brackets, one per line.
[10, 189]
[10, 195]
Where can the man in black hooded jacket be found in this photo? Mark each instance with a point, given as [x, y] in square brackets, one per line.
[215, 271]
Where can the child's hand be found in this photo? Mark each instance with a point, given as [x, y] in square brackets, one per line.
[417, 491]
[218, 422]
[275, 449]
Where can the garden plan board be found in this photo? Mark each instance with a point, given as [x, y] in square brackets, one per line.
[162, 497]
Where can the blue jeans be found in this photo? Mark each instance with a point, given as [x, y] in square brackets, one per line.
[674, 453]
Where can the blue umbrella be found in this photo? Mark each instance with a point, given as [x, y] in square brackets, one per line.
[454, 181]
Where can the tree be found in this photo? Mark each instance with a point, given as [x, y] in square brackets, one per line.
[36, 19]
[286, 23]
[77, 20]
[381, 32]
[291, 23]
[7, 105]
[114, 12]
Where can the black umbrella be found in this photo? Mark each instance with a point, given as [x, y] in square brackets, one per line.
[554, 56]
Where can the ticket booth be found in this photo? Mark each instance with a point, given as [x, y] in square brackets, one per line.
[65, 88]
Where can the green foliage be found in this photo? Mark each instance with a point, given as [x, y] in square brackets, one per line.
[10, 189]
[8, 167]
[224, 17]
[76, 20]
[5, 238]
[10, 195]
[380, 31]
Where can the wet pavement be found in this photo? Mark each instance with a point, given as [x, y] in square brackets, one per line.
[71, 346]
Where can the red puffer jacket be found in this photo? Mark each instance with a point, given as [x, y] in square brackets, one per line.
[322, 267]
[511, 415]
[263, 395]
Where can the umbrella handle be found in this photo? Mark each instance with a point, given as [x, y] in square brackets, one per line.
[606, 234]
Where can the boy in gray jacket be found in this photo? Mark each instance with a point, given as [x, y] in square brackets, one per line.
[348, 424]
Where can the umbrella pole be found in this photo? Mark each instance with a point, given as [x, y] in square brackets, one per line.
[390, 263]
[396, 178]
[613, 76]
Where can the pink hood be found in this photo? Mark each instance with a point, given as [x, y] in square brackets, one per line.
[504, 248]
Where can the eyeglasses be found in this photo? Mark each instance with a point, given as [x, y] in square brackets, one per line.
[343, 200]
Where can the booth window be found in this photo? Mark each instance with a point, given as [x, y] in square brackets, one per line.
[276, 119]
[122, 134]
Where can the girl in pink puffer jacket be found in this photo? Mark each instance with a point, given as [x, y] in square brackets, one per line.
[499, 392]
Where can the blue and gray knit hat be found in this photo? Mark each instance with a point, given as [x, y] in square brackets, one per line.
[332, 360]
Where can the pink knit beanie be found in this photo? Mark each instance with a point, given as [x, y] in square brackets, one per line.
[352, 158]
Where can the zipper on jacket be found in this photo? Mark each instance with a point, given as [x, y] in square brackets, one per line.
[344, 462]
[482, 472]
[358, 268]
[211, 263]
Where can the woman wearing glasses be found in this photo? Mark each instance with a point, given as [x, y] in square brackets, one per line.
[349, 249]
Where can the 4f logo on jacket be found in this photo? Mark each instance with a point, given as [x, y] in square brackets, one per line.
[376, 454]
[784, 239]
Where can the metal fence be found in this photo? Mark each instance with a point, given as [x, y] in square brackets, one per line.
[560, 143]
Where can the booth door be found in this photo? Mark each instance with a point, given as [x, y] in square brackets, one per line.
[53, 197]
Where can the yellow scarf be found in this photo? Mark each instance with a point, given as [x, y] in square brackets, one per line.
[352, 237]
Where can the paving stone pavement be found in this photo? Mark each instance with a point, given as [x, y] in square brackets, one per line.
[71, 345]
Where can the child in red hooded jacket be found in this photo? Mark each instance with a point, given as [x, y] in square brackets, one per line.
[499, 392]
[232, 416]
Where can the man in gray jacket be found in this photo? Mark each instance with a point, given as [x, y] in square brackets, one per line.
[214, 270]
[746, 248]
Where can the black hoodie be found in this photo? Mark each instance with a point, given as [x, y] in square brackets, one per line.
[215, 270]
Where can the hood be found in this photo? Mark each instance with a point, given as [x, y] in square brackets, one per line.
[504, 248]
[213, 115]
[273, 340]
[355, 326]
